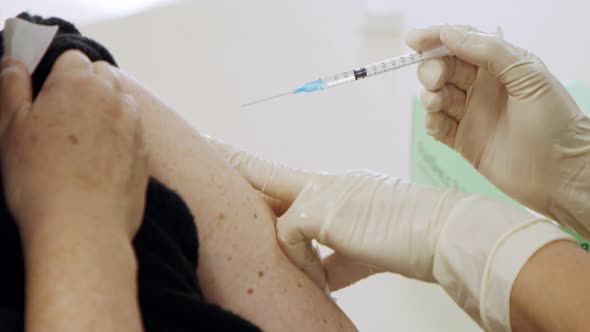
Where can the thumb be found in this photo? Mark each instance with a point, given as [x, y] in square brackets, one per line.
[484, 50]
[295, 231]
[15, 90]
[272, 179]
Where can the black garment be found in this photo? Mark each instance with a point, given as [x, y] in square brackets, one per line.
[166, 244]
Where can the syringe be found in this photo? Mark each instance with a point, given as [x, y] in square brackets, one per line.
[363, 72]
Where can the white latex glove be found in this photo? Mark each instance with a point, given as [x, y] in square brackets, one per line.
[503, 111]
[473, 246]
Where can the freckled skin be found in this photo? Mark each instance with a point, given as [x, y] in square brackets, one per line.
[261, 274]
[220, 216]
[233, 251]
[73, 139]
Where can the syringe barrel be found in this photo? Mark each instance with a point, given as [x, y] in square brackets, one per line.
[383, 67]
[339, 79]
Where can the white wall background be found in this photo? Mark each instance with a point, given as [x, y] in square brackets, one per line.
[208, 57]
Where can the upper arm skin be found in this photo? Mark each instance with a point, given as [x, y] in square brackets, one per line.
[241, 266]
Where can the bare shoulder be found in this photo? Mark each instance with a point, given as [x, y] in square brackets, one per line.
[241, 266]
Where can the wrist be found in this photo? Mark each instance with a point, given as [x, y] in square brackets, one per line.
[569, 204]
[480, 251]
[510, 255]
[77, 273]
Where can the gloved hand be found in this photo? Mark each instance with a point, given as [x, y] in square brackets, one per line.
[473, 246]
[505, 113]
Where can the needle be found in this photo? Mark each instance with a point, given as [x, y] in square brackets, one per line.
[371, 70]
[269, 98]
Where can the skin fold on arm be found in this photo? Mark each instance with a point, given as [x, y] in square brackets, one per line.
[241, 266]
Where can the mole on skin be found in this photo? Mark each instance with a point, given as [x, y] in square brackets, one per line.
[73, 139]
[250, 291]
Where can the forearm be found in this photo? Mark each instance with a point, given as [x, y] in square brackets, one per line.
[241, 266]
[552, 292]
[80, 277]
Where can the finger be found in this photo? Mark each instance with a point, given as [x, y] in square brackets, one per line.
[432, 101]
[128, 110]
[298, 247]
[295, 241]
[433, 74]
[16, 87]
[127, 120]
[421, 40]
[425, 39]
[342, 271]
[106, 72]
[15, 90]
[269, 178]
[72, 60]
[484, 50]
[441, 127]
[448, 99]
[463, 74]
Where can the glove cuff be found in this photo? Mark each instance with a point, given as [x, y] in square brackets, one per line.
[481, 249]
[511, 252]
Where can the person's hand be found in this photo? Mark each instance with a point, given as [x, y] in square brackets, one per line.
[77, 150]
[377, 223]
[505, 113]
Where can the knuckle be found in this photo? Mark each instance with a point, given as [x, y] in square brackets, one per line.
[71, 55]
[431, 124]
[89, 82]
[105, 71]
[437, 126]
[431, 101]
[129, 105]
[425, 99]
[102, 65]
